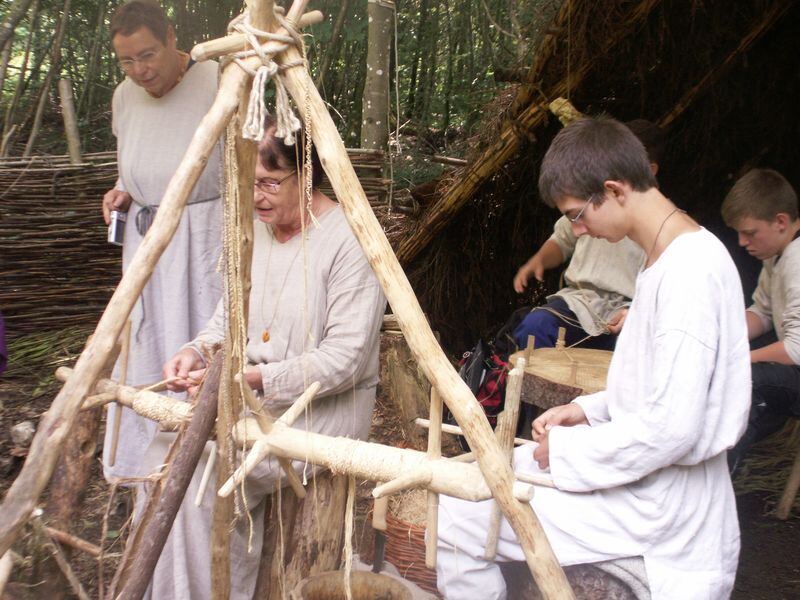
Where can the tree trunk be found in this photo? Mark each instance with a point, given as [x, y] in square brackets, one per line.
[5, 56]
[18, 89]
[334, 45]
[55, 68]
[70, 121]
[306, 540]
[85, 99]
[407, 389]
[15, 14]
[375, 102]
[412, 84]
[67, 491]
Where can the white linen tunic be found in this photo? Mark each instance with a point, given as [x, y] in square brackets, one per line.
[323, 307]
[152, 136]
[648, 476]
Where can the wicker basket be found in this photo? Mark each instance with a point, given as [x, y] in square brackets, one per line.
[405, 541]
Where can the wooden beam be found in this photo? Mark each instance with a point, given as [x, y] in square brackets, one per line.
[438, 369]
[764, 24]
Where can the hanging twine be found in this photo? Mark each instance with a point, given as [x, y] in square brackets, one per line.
[287, 122]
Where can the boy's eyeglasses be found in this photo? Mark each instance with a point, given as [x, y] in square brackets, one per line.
[147, 57]
[577, 217]
[269, 185]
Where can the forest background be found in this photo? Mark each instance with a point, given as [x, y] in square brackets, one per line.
[450, 58]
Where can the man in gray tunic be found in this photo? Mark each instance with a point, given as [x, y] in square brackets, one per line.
[156, 110]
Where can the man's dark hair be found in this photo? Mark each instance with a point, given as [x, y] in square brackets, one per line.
[274, 154]
[589, 152]
[652, 136]
[759, 194]
[133, 15]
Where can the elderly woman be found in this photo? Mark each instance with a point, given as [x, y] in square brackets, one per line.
[315, 313]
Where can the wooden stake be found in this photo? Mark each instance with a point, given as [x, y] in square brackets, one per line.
[123, 378]
[790, 492]
[434, 453]
[506, 427]
[456, 430]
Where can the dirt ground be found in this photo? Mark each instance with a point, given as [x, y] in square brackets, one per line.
[769, 566]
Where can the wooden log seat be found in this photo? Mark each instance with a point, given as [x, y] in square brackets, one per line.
[624, 579]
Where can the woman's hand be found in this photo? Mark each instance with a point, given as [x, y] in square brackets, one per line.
[184, 370]
[115, 200]
[252, 376]
[567, 415]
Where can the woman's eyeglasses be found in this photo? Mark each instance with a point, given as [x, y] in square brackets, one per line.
[147, 57]
[269, 185]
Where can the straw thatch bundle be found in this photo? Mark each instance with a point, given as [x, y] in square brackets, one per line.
[57, 268]
[722, 77]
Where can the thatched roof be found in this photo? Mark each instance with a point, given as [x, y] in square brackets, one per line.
[722, 76]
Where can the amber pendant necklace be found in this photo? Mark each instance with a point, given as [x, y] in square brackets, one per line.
[265, 335]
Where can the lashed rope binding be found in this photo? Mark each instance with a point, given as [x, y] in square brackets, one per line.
[287, 122]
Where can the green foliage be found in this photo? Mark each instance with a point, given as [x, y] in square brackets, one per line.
[445, 56]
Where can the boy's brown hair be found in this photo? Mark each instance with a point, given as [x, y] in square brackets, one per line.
[587, 153]
[759, 194]
[133, 15]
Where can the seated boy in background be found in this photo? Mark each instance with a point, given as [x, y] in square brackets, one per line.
[762, 208]
[600, 277]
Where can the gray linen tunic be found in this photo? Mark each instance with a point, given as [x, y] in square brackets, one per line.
[600, 278]
[152, 136]
[323, 307]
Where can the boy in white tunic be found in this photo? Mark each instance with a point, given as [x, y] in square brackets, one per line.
[762, 208]
[640, 468]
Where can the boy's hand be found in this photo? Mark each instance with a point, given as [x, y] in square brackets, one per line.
[616, 322]
[567, 415]
[533, 268]
[542, 453]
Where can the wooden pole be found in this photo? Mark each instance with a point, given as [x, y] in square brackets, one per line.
[21, 497]
[70, 121]
[24, 492]
[458, 397]
[790, 492]
[177, 481]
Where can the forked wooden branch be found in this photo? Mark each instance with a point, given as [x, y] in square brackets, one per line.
[459, 399]
[178, 477]
[21, 498]
[374, 462]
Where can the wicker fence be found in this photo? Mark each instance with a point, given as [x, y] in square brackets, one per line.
[56, 269]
